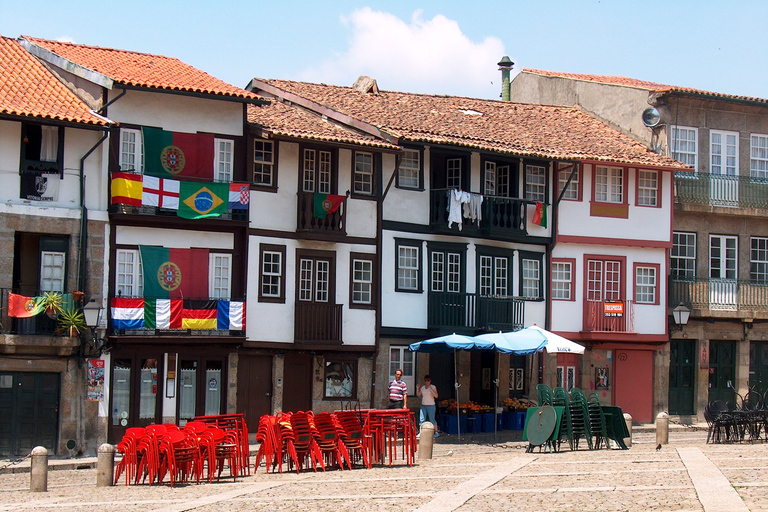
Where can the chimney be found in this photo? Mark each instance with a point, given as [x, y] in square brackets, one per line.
[505, 66]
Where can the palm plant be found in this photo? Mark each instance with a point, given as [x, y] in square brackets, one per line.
[71, 321]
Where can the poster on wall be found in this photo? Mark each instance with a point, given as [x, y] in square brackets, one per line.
[601, 378]
[95, 380]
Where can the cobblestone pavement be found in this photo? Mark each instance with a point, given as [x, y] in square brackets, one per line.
[466, 476]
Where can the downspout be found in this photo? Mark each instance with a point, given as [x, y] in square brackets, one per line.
[84, 215]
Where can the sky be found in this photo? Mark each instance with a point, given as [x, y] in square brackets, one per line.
[441, 47]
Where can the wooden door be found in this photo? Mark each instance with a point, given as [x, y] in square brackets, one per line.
[297, 384]
[633, 383]
[254, 388]
[682, 367]
[29, 412]
[722, 370]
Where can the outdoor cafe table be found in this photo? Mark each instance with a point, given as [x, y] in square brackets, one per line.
[383, 428]
[615, 425]
[542, 422]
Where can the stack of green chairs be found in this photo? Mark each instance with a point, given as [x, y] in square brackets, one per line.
[543, 394]
[579, 418]
[597, 422]
[560, 398]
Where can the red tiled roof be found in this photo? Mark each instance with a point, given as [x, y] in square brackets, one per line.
[295, 122]
[27, 88]
[142, 69]
[555, 132]
[641, 84]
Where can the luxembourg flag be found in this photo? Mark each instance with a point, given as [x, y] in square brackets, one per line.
[239, 196]
[127, 313]
[231, 316]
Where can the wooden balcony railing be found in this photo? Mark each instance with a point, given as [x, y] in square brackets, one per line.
[609, 316]
[470, 312]
[318, 323]
[333, 223]
[720, 190]
[718, 294]
[503, 217]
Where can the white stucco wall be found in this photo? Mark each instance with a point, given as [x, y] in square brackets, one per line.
[173, 238]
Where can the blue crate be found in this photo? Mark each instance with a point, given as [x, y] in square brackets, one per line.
[518, 421]
[473, 424]
[451, 426]
[508, 419]
[486, 422]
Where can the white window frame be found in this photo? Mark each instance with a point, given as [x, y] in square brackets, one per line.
[490, 179]
[408, 267]
[758, 156]
[263, 162]
[398, 360]
[453, 173]
[220, 275]
[683, 144]
[723, 153]
[728, 265]
[572, 192]
[52, 271]
[536, 183]
[363, 180]
[131, 150]
[531, 282]
[408, 174]
[562, 279]
[272, 274]
[686, 241]
[647, 187]
[362, 281]
[224, 159]
[129, 277]
[609, 184]
[645, 284]
[758, 259]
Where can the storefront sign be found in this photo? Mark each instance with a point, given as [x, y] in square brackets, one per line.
[613, 308]
[704, 362]
[95, 380]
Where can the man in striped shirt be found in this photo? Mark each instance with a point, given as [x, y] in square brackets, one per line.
[398, 392]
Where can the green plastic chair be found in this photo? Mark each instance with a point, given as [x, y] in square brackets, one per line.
[580, 418]
[543, 394]
[597, 422]
[560, 398]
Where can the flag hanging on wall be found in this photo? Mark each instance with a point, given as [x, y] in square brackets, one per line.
[239, 196]
[160, 192]
[20, 306]
[162, 313]
[127, 313]
[327, 203]
[201, 200]
[199, 314]
[170, 273]
[168, 154]
[540, 215]
[126, 188]
[231, 315]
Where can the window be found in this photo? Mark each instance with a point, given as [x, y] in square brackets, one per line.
[724, 153]
[263, 163]
[314, 280]
[316, 171]
[224, 152]
[272, 276]
[220, 275]
[363, 180]
[453, 173]
[490, 178]
[646, 284]
[758, 260]
[340, 379]
[758, 156]
[683, 145]
[40, 147]
[536, 183]
[682, 259]
[362, 293]
[572, 189]
[647, 188]
[496, 180]
[445, 271]
[400, 358]
[131, 150]
[722, 257]
[494, 276]
[128, 274]
[409, 172]
[408, 266]
[563, 279]
[531, 278]
[609, 184]
[604, 279]
[52, 271]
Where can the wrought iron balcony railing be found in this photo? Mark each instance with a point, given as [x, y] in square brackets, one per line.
[318, 323]
[609, 316]
[720, 190]
[718, 294]
[470, 311]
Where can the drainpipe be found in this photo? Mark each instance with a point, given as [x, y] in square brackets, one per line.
[505, 66]
[84, 215]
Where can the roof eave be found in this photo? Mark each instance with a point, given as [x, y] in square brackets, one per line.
[67, 65]
[195, 94]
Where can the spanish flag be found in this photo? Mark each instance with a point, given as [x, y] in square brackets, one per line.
[127, 188]
[20, 306]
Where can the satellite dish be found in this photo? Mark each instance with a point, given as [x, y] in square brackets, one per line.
[651, 117]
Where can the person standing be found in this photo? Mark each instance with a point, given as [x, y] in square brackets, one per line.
[398, 392]
[428, 394]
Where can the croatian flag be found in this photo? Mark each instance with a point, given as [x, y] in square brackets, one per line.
[239, 196]
[231, 316]
[127, 313]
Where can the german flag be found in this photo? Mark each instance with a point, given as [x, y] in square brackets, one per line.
[199, 314]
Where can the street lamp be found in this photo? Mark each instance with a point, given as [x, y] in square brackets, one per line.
[92, 313]
[680, 315]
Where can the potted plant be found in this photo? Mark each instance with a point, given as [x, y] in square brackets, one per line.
[71, 322]
[52, 302]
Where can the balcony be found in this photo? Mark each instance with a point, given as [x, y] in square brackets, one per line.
[469, 312]
[332, 224]
[318, 323]
[504, 218]
[720, 295]
[609, 316]
[718, 190]
[124, 209]
[39, 334]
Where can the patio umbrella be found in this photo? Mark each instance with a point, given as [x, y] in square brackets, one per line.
[556, 343]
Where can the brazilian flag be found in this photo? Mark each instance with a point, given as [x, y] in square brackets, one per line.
[200, 200]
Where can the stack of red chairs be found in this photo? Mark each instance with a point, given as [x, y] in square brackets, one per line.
[234, 423]
[357, 444]
[304, 446]
[270, 447]
[129, 463]
[148, 453]
[179, 456]
[326, 436]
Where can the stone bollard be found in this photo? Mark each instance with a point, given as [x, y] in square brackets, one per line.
[105, 466]
[662, 428]
[628, 421]
[38, 476]
[426, 440]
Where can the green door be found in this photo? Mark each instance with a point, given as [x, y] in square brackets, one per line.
[29, 412]
[722, 370]
[758, 366]
[682, 366]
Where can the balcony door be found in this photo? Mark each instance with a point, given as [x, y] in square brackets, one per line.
[449, 306]
[316, 311]
[605, 283]
[722, 272]
[724, 165]
[136, 395]
[201, 387]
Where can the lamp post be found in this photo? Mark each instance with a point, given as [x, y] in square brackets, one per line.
[680, 315]
[92, 313]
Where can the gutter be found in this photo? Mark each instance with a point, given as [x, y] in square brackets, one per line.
[84, 215]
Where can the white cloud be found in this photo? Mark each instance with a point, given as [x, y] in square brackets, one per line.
[65, 39]
[431, 56]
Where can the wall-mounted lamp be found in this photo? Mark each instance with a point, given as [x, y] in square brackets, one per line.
[680, 315]
[92, 346]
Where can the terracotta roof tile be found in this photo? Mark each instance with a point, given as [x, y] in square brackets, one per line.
[142, 69]
[642, 84]
[520, 129]
[27, 88]
[295, 122]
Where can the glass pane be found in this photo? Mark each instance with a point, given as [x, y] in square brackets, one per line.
[121, 392]
[187, 391]
[213, 386]
[148, 391]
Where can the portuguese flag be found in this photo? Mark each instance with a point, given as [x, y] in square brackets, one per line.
[327, 203]
[170, 154]
[174, 273]
[540, 215]
[20, 306]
